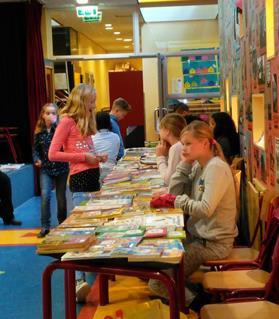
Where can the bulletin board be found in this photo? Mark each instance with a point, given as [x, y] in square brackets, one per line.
[201, 72]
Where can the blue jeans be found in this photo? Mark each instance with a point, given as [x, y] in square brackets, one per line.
[79, 197]
[47, 183]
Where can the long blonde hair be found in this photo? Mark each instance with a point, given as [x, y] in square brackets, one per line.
[173, 122]
[75, 108]
[200, 130]
[41, 124]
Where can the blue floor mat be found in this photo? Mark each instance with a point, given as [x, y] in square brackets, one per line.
[20, 284]
[21, 271]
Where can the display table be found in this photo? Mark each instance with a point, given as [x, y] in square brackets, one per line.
[105, 269]
[22, 182]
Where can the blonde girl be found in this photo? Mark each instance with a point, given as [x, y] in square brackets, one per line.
[51, 173]
[72, 143]
[169, 150]
[203, 186]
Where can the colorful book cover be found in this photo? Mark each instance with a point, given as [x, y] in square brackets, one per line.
[138, 253]
[115, 228]
[156, 232]
[94, 252]
[176, 234]
[163, 243]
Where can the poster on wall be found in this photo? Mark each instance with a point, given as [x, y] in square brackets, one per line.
[262, 29]
[201, 73]
[271, 161]
[277, 161]
[274, 92]
[261, 71]
[263, 167]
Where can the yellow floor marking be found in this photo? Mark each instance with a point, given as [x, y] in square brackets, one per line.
[19, 237]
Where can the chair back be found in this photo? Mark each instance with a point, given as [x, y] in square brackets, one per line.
[237, 163]
[254, 201]
[237, 183]
[260, 226]
[272, 286]
[269, 241]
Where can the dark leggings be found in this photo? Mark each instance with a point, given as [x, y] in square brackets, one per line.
[6, 205]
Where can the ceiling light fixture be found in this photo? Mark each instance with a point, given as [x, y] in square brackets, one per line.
[109, 28]
[127, 40]
[179, 13]
[116, 32]
[118, 39]
[108, 25]
[81, 1]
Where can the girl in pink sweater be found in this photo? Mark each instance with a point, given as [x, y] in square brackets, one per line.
[72, 143]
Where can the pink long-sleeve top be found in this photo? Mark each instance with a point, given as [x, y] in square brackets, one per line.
[68, 145]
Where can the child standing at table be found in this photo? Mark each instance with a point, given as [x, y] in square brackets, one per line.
[51, 173]
[106, 142]
[119, 110]
[169, 150]
[203, 186]
[72, 143]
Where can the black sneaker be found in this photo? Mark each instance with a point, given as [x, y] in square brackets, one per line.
[43, 233]
[13, 222]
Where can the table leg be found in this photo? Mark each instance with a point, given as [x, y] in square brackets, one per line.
[46, 292]
[170, 285]
[103, 289]
[70, 294]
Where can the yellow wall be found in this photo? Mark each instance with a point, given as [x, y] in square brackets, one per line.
[46, 34]
[183, 35]
[99, 68]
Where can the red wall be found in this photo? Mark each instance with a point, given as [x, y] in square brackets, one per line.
[128, 85]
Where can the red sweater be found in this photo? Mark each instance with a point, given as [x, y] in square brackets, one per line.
[68, 145]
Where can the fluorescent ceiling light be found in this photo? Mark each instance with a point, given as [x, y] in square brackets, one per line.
[118, 39]
[179, 13]
[127, 40]
[116, 32]
[109, 28]
[108, 25]
[81, 1]
[55, 23]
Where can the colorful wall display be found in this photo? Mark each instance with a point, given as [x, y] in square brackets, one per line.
[201, 73]
[251, 58]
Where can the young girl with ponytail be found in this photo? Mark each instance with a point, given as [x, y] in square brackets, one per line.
[203, 186]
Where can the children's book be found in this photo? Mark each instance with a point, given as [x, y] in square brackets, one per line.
[138, 253]
[164, 243]
[171, 255]
[176, 234]
[94, 252]
[121, 242]
[115, 228]
[72, 231]
[110, 235]
[60, 244]
[156, 232]
[134, 232]
[87, 215]
[74, 221]
[164, 220]
[98, 207]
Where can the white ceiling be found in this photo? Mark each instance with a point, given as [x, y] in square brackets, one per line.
[117, 12]
[120, 16]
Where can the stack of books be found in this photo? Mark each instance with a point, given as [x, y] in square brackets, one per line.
[61, 241]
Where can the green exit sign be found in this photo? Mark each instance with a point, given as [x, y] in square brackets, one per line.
[93, 19]
[87, 11]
